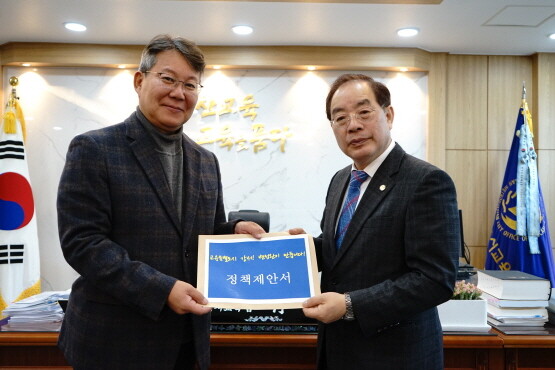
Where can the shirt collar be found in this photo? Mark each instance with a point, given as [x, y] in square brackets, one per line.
[376, 163]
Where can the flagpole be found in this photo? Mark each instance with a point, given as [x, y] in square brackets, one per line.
[13, 111]
[526, 111]
[14, 81]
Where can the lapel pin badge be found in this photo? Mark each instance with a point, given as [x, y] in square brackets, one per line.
[382, 187]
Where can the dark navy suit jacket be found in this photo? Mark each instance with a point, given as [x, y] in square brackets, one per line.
[398, 261]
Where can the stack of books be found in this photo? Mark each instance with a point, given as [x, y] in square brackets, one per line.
[551, 307]
[40, 312]
[516, 301]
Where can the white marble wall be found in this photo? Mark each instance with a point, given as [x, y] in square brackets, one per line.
[60, 103]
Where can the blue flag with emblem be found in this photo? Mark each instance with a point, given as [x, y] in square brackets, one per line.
[520, 234]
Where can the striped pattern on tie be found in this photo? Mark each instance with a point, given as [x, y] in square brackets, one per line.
[353, 193]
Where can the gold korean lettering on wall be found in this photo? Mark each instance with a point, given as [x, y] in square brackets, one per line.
[227, 135]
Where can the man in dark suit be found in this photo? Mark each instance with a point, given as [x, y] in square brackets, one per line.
[386, 269]
[132, 200]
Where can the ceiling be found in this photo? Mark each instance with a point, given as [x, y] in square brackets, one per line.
[492, 27]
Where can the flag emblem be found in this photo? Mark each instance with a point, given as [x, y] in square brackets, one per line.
[11, 253]
[505, 216]
[12, 149]
[16, 201]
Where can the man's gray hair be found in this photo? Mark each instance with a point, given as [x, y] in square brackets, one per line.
[160, 43]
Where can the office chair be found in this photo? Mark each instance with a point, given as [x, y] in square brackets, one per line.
[261, 218]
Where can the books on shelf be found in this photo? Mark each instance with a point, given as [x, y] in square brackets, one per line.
[512, 303]
[550, 316]
[512, 284]
[551, 302]
[517, 313]
[516, 321]
[520, 326]
[523, 330]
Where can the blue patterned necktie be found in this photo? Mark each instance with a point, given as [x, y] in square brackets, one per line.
[357, 178]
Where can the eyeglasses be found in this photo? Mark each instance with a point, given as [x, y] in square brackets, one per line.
[172, 82]
[364, 115]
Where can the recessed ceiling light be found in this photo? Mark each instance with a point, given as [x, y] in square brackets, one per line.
[242, 30]
[407, 32]
[26, 64]
[311, 68]
[403, 69]
[217, 67]
[72, 26]
[552, 36]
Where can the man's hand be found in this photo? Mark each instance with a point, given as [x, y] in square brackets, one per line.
[327, 307]
[297, 231]
[249, 227]
[185, 298]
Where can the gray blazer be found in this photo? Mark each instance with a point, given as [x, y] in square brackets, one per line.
[398, 261]
[119, 229]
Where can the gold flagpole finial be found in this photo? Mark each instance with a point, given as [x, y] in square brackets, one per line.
[526, 111]
[14, 81]
[13, 111]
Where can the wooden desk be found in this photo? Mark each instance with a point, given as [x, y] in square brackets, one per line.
[290, 351]
[529, 351]
[263, 351]
[30, 349]
[473, 351]
[275, 351]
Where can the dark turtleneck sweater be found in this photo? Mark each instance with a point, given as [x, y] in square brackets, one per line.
[170, 151]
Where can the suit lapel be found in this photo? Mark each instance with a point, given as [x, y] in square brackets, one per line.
[191, 184]
[378, 189]
[335, 199]
[334, 203]
[143, 147]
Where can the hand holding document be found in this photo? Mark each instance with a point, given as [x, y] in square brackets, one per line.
[238, 271]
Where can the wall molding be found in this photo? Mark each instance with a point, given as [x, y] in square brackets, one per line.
[238, 57]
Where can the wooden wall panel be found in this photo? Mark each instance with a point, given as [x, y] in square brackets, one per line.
[468, 168]
[544, 66]
[505, 77]
[437, 79]
[478, 256]
[466, 123]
